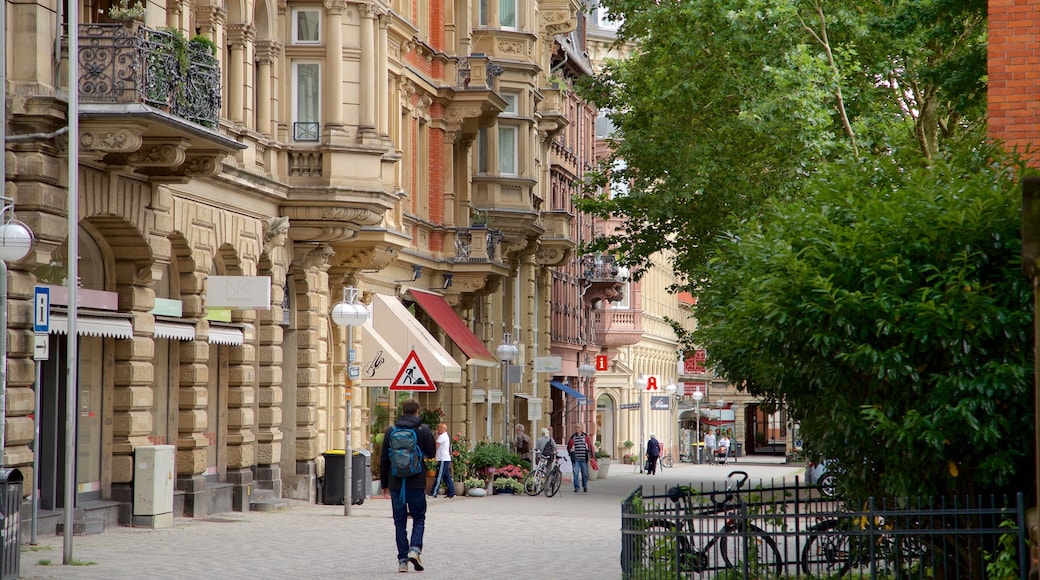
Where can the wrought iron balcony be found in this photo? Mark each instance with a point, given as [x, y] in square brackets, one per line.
[133, 64]
[603, 277]
[478, 244]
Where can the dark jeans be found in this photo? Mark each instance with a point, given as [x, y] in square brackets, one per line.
[444, 474]
[415, 504]
[580, 472]
[651, 464]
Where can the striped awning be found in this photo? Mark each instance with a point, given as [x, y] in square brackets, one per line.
[93, 325]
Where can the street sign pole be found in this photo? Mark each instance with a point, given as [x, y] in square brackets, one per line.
[41, 328]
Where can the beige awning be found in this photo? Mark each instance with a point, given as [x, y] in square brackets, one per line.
[403, 333]
[380, 363]
[174, 330]
[226, 335]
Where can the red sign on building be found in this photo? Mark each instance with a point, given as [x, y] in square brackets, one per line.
[693, 364]
[602, 364]
[690, 386]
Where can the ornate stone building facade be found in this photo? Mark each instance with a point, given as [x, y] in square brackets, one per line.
[272, 154]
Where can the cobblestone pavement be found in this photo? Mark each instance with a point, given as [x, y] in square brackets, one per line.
[502, 536]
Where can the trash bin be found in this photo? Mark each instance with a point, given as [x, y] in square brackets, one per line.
[360, 476]
[332, 484]
[10, 522]
[738, 449]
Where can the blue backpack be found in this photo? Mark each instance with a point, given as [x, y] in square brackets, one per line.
[406, 459]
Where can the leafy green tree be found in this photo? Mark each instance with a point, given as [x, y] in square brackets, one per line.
[728, 103]
[887, 309]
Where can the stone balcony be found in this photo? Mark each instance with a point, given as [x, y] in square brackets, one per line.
[614, 328]
[602, 275]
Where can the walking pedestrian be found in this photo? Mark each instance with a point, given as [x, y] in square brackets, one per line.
[709, 446]
[406, 443]
[653, 451]
[580, 448]
[443, 463]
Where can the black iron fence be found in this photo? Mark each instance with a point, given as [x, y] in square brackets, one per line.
[791, 531]
[130, 63]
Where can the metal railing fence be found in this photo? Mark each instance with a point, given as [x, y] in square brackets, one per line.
[792, 531]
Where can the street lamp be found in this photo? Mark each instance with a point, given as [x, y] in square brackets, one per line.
[641, 384]
[350, 314]
[673, 390]
[16, 240]
[506, 352]
[697, 396]
[587, 371]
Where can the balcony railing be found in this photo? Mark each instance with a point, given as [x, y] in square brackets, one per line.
[477, 244]
[599, 267]
[129, 63]
[305, 131]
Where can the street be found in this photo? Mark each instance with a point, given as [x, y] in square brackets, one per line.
[466, 538]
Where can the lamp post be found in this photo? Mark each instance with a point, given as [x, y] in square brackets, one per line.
[674, 390]
[16, 240]
[641, 383]
[697, 396]
[506, 352]
[350, 314]
[587, 371]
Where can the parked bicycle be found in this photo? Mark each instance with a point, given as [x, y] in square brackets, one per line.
[545, 477]
[836, 545]
[666, 460]
[739, 542]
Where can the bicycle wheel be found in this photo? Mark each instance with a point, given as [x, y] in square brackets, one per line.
[534, 482]
[667, 461]
[759, 550]
[553, 484]
[829, 485]
[827, 551]
[667, 553]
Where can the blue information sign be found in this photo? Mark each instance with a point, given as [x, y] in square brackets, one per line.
[42, 310]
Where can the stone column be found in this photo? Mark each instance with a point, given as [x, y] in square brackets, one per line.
[383, 77]
[270, 357]
[266, 53]
[241, 416]
[193, 393]
[334, 65]
[134, 376]
[310, 272]
[239, 37]
[368, 93]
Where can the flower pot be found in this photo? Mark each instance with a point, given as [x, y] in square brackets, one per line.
[476, 492]
[504, 491]
[604, 467]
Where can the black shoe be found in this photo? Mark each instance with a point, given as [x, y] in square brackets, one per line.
[586, 490]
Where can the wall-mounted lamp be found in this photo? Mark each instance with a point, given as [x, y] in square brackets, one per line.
[447, 281]
[416, 273]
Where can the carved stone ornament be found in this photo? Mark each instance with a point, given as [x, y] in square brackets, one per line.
[370, 258]
[552, 255]
[114, 141]
[558, 21]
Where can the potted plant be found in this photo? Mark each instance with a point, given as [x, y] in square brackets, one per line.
[123, 11]
[603, 458]
[507, 485]
[475, 487]
[488, 457]
[478, 219]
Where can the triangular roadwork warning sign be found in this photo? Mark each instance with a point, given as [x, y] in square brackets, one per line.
[412, 376]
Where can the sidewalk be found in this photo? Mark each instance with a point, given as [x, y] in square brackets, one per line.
[466, 538]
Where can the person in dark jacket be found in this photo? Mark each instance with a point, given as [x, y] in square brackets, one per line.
[414, 501]
[653, 451]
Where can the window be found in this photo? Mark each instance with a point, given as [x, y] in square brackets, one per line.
[306, 23]
[511, 99]
[605, 20]
[483, 150]
[306, 100]
[507, 150]
[506, 13]
[604, 126]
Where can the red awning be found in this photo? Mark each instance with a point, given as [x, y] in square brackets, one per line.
[444, 315]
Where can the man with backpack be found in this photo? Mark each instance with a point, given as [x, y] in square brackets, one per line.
[403, 476]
